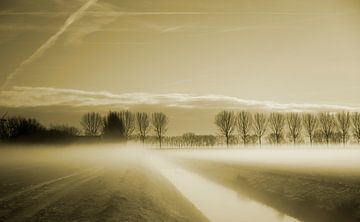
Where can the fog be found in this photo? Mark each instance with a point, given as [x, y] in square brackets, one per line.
[343, 158]
[42, 166]
[332, 158]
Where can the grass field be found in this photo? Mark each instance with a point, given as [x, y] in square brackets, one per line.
[307, 194]
[114, 183]
[87, 185]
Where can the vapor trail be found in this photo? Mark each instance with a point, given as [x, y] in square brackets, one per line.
[51, 41]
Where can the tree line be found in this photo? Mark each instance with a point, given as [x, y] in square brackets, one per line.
[293, 127]
[122, 125]
[234, 128]
[119, 126]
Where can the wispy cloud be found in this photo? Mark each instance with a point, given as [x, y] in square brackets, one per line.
[51, 41]
[46, 96]
[144, 13]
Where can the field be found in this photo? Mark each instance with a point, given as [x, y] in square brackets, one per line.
[79, 185]
[326, 190]
[114, 183]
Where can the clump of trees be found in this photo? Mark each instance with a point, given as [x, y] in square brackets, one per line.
[119, 126]
[20, 129]
[278, 127]
[122, 125]
[191, 140]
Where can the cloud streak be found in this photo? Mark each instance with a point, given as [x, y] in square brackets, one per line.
[46, 96]
[145, 13]
[50, 42]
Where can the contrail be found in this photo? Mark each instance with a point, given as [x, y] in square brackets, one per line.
[51, 41]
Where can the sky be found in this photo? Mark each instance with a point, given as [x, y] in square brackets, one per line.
[191, 58]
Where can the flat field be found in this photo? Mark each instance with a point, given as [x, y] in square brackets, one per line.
[87, 185]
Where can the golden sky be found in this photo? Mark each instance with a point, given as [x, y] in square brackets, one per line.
[283, 52]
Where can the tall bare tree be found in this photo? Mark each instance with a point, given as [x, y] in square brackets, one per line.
[260, 125]
[225, 122]
[343, 124]
[143, 123]
[310, 123]
[113, 126]
[91, 123]
[128, 119]
[3, 128]
[355, 117]
[277, 123]
[159, 122]
[294, 125]
[244, 122]
[327, 125]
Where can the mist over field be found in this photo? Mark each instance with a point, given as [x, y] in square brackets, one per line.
[42, 183]
[179, 111]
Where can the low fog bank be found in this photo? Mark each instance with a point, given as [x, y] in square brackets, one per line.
[334, 158]
[105, 154]
[340, 159]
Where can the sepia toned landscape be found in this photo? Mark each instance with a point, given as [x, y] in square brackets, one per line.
[159, 110]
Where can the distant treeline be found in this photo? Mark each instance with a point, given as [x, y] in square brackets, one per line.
[115, 126]
[234, 128]
[280, 128]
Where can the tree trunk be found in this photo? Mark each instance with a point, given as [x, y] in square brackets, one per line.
[260, 141]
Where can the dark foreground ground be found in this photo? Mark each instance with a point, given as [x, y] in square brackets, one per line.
[58, 187]
[305, 194]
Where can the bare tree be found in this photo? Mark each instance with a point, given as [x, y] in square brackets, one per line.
[225, 121]
[327, 125]
[113, 126]
[244, 122]
[3, 127]
[143, 123]
[159, 122]
[277, 122]
[91, 123]
[355, 117]
[128, 119]
[310, 123]
[343, 124]
[294, 124]
[260, 125]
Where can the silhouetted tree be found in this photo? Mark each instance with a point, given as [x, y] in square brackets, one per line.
[343, 124]
[327, 125]
[189, 139]
[225, 122]
[260, 125]
[143, 123]
[355, 117]
[128, 119]
[113, 126]
[294, 125]
[63, 131]
[276, 123]
[23, 129]
[3, 130]
[91, 123]
[159, 122]
[244, 125]
[310, 123]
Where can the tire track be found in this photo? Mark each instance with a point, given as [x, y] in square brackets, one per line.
[37, 186]
[27, 204]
